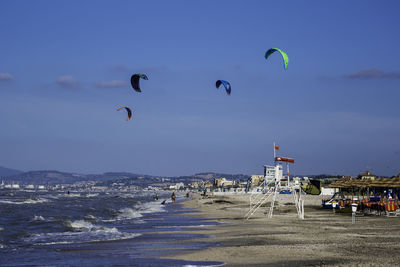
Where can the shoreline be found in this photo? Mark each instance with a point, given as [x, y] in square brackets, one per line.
[321, 239]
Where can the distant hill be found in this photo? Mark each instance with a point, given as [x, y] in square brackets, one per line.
[146, 180]
[52, 177]
[45, 177]
[7, 172]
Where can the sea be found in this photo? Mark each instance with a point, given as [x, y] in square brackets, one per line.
[113, 228]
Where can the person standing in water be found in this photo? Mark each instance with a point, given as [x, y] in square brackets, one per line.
[173, 197]
[156, 197]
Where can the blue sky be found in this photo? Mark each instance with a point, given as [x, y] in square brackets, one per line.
[65, 68]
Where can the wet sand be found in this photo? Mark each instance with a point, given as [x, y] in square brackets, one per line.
[321, 239]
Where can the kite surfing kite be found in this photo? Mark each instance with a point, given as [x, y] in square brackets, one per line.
[226, 84]
[284, 55]
[128, 110]
[135, 81]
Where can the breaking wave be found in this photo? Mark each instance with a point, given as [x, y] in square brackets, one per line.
[80, 231]
[38, 218]
[27, 201]
[92, 195]
[150, 207]
[128, 213]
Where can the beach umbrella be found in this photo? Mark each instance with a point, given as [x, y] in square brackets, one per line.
[394, 183]
[361, 183]
[343, 185]
[339, 183]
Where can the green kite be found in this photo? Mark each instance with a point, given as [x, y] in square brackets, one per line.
[284, 55]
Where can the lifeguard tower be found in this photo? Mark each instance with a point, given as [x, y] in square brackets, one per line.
[274, 183]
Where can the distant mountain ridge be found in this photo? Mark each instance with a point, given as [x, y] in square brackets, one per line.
[7, 171]
[44, 177]
[52, 177]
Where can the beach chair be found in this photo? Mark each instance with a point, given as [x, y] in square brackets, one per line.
[391, 209]
[363, 205]
[381, 208]
[368, 207]
[397, 205]
[397, 212]
[373, 207]
[360, 208]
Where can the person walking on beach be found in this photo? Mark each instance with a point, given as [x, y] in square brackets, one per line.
[173, 197]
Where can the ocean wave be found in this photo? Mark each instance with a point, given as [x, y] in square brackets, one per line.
[79, 237]
[125, 195]
[52, 196]
[90, 217]
[135, 213]
[150, 207]
[27, 201]
[82, 225]
[92, 195]
[139, 209]
[38, 218]
[82, 232]
[70, 195]
[128, 213]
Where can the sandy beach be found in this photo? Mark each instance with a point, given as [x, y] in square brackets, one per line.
[321, 239]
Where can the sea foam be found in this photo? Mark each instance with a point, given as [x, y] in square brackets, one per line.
[128, 213]
[80, 232]
[150, 207]
[38, 218]
[27, 201]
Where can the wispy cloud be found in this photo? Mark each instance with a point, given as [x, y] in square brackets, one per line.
[373, 74]
[112, 84]
[68, 81]
[6, 77]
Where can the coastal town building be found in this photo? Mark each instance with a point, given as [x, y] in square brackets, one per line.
[222, 182]
[366, 176]
[256, 179]
[195, 185]
[177, 186]
[198, 185]
[208, 184]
